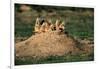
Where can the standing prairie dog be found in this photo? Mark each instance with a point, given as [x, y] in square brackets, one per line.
[37, 21]
[48, 24]
[52, 27]
[47, 27]
[42, 28]
[37, 26]
[57, 24]
[62, 25]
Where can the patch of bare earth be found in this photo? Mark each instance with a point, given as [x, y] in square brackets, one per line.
[50, 44]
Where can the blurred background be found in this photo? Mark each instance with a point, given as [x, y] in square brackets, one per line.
[79, 21]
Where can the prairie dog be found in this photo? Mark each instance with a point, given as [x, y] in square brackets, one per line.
[37, 26]
[57, 24]
[62, 25]
[51, 27]
[48, 24]
[37, 21]
[42, 28]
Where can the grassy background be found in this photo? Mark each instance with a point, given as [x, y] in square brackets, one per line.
[54, 59]
[79, 22]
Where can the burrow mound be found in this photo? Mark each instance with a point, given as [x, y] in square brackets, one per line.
[47, 44]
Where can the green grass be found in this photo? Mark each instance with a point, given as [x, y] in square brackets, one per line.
[77, 23]
[55, 59]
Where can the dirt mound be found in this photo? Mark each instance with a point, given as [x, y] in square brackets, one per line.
[47, 44]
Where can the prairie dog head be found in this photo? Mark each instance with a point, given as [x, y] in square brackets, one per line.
[42, 28]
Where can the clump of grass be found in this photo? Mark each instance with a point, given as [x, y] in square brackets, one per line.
[55, 59]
